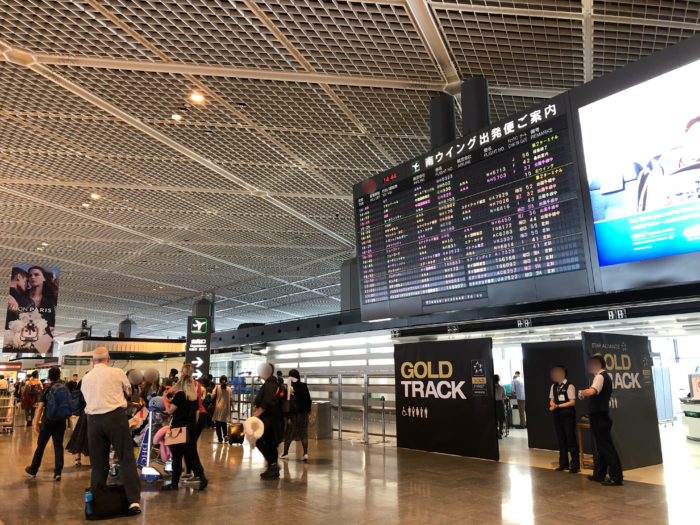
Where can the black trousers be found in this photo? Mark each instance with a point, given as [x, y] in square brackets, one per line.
[221, 430]
[188, 451]
[108, 429]
[565, 425]
[50, 431]
[607, 459]
[201, 423]
[268, 447]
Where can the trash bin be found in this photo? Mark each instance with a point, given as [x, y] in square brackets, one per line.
[321, 421]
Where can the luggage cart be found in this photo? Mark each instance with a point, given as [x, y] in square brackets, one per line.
[7, 414]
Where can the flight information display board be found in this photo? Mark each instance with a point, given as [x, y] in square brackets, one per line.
[499, 205]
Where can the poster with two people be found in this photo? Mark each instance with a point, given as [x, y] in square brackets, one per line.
[31, 309]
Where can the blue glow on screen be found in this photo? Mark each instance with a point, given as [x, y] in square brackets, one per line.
[642, 153]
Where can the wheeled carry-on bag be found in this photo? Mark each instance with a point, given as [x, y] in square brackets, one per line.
[236, 434]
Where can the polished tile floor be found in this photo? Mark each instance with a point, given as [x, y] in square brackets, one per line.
[346, 482]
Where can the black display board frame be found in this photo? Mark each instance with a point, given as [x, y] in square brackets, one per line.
[460, 418]
[538, 360]
[661, 271]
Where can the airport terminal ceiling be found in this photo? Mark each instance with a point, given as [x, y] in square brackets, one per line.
[154, 151]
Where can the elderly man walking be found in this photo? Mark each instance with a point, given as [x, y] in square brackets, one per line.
[104, 388]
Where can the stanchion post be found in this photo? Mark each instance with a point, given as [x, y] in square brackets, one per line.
[365, 411]
[383, 423]
[239, 398]
[340, 406]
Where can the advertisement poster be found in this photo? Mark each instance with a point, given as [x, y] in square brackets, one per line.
[642, 153]
[635, 429]
[445, 398]
[31, 309]
[198, 348]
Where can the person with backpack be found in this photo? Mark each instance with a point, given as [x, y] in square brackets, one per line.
[298, 416]
[55, 406]
[30, 396]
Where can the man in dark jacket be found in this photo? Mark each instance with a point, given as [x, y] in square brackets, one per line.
[268, 410]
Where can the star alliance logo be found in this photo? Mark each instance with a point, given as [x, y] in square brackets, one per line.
[477, 368]
[415, 167]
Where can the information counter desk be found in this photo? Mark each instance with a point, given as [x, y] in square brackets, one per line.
[691, 417]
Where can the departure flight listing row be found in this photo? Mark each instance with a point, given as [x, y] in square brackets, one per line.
[497, 211]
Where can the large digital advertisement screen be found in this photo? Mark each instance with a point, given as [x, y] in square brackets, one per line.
[642, 156]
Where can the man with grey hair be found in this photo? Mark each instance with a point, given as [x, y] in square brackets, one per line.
[104, 389]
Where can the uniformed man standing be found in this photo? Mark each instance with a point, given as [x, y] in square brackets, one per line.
[599, 401]
[562, 401]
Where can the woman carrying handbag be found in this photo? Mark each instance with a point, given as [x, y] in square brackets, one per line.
[184, 408]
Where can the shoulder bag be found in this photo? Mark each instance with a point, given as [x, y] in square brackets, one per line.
[176, 436]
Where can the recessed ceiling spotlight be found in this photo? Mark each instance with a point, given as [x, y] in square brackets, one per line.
[39, 248]
[197, 98]
[242, 105]
[177, 117]
[95, 196]
[86, 204]
[208, 132]
[44, 244]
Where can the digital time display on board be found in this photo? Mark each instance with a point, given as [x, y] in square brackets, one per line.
[497, 206]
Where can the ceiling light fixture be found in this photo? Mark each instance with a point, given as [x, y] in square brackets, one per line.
[86, 205]
[95, 196]
[197, 98]
[177, 117]
[44, 244]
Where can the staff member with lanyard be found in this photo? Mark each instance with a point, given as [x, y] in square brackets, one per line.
[601, 424]
[562, 401]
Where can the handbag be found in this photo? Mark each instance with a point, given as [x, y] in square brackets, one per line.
[107, 502]
[176, 436]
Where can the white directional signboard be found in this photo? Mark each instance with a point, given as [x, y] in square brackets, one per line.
[198, 347]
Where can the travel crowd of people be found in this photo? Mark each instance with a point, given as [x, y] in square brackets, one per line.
[105, 399]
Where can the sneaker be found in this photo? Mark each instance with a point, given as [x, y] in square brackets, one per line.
[284, 456]
[612, 483]
[191, 479]
[574, 470]
[57, 477]
[187, 477]
[28, 470]
[134, 509]
[305, 457]
[559, 469]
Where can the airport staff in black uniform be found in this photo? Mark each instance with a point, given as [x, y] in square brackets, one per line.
[562, 401]
[601, 424]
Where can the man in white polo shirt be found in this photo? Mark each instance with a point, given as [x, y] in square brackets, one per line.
[104, 388]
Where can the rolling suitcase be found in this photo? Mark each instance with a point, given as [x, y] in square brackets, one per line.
[235, 434]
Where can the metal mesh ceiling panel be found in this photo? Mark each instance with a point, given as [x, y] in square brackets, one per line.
[217, 32]
[516, 50]
[616, 45]
[353, 37]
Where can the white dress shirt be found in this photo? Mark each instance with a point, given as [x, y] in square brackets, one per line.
[3, 384]
[570, 391]
[518, 388]
[103, 389]
[598, 382]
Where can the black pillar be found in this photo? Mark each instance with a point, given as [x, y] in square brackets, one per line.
[443, 122]
[475, 104]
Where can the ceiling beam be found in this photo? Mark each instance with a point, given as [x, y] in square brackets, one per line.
[423, 18]
[507, 11]
[587, 40]
[181, 68]
[525, 92]
[182, 189]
